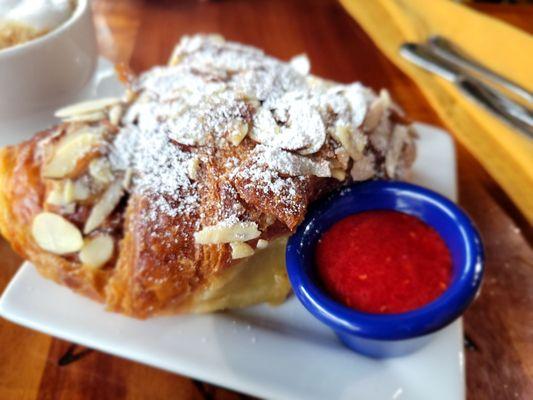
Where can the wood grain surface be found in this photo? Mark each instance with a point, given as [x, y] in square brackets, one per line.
[499, 326]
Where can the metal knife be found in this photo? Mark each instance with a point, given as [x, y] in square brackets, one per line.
[448, 50]
[509, 111]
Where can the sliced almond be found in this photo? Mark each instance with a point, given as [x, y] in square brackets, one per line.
[400, 136]
[190, 44]
[89, 117]
[225, 232]
[352, 140]
[176, 56]
[55, 197]
[81, 190]
[357, 96]
[69, 208]
[104, 206]
[262, 244]
[115, 114]
[193, 167]
[292, 164]
[238, 134]
[384, 95]
[338, 174]
[241, 250]
[127, 178]
[86, 107]
[376, 111]
[55, 234]
[216, 38]
[61, 193]
[363, 168]
[130, 95]
[97, 251]
[303, 129]
[100, 170]
[342, 156]
[301, 64]
[69, 191]
[69, 152]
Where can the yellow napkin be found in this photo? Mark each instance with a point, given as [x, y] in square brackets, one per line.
[507, 155]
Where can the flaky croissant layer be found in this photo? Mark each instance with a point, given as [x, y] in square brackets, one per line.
[178, 196]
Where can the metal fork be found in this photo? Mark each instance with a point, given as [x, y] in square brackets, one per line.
[516, 115]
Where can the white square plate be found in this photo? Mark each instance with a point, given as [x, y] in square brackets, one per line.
[281, 352]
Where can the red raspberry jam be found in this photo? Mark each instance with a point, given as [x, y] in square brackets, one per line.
[383, 262]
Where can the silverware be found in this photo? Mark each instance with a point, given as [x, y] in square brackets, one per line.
[448, 50]
[509, 111]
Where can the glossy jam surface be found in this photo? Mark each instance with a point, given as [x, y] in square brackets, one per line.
[383, 262]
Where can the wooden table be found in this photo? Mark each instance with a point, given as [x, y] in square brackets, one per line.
[499, 326]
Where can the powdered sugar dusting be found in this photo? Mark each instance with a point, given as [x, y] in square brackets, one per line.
[215, 91]
[159, 170]
[289, 163]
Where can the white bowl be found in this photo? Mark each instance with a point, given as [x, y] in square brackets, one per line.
[49, 70]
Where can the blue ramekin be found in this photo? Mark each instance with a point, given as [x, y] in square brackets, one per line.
[387, 335]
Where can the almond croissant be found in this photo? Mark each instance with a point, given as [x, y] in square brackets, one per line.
[179, 196]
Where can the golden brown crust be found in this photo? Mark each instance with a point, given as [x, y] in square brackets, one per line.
[153, 274]
[159, 267]
[150, 185]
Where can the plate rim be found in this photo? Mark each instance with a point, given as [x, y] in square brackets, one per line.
[210, 375]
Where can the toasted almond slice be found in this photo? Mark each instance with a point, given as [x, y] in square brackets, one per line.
[238, 134]
[225, 232]
[352, 140]
[69, 208]
[86, 107]
[399, 137]
[55, 197]
[127, 178]
[374, 115]
[262, 244]
[190, 44]
[216, 38]
[100, 170]
[384, 95]
[357, 96]
[129, 96]
[363, 168]
[176, 56]
[193, 166]
[68, 153]
[292, 164]
[342, 156]
[241, 250]
[97, 251]
[303, 128]
[81, 190]
[104, 206]
[90, 117]
[376, 110]
[338, 174]
[68, 191]
[115, 114]
[55, 234]
[55, 194]
[62, 193]
[301, 64]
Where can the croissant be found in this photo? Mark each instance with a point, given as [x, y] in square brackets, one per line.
[179, 196]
